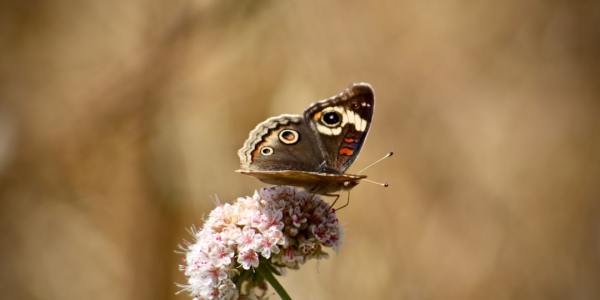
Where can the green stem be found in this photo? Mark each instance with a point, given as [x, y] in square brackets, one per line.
[268, 275]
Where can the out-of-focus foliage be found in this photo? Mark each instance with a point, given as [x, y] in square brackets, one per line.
[120, 121]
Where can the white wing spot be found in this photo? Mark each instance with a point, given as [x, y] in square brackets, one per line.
[348, 116]
[363, 125]
[328, 131]
[351, 117]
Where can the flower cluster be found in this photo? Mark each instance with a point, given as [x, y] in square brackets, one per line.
[278, 227]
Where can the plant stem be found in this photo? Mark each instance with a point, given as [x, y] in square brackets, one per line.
[268, 275]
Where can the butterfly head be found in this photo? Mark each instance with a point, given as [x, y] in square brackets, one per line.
[349, 184]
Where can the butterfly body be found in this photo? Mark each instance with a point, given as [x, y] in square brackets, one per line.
[312, 150]
[315, 182]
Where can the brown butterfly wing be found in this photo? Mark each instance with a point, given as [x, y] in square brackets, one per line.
[314, 182]
[284, 142]
[341, 124]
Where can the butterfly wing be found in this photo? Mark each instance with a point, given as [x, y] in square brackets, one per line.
[314, 182]
[284, 142]
[340, 125]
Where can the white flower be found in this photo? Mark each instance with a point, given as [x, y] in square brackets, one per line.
[230, 235]
[269, 242]
[248, 259]
[285, 225]
[249, 239]
[221, 255]
[271, 218]
[213, 275]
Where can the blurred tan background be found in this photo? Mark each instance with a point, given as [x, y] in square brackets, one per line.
[120, 122]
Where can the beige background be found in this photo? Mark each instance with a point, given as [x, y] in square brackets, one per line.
[120, 122]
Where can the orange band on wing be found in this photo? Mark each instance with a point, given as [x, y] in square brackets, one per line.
[349, 140]
[317, 116]
[346, 151]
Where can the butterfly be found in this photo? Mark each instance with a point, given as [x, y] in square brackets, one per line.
[315, 149]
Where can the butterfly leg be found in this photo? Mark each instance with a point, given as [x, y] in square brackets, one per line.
[345, 204]
[337, 196]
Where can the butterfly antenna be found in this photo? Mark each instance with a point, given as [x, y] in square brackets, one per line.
[376, 162]
[383, 184]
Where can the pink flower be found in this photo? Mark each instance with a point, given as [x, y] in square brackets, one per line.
[213, 275]
[230, 234]
[285, 225]
[248, 259]
[249, 239]
[271, 219]
[291, 258]
[221, 255]
[269, 242]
